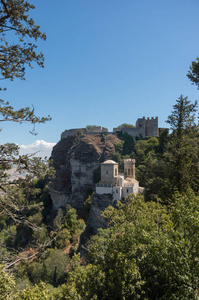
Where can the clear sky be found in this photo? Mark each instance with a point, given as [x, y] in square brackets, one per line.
[107, 62]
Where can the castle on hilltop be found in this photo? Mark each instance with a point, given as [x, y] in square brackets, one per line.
[143, 127]
[118, 185]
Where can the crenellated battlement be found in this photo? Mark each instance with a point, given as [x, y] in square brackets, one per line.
[152, 118]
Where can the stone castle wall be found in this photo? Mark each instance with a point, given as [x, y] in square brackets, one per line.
[134, 131]
[71, 132]
[144, 127]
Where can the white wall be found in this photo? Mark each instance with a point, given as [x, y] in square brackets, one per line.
[126, 191]
[117, 193]
[104, 190]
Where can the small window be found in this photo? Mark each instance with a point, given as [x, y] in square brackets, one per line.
[127, 190]
[115, 172]
[106, 171]
[132, 171]
[129, 171]
[117, 191]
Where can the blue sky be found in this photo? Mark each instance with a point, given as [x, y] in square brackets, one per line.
[106, 62]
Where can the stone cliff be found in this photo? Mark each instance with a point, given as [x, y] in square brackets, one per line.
[75, 161]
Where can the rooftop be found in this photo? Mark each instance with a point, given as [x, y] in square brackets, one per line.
[110, 162]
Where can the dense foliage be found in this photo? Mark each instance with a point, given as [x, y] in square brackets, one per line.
[149, 251]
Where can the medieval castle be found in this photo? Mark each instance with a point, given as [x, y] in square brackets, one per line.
[143, 127]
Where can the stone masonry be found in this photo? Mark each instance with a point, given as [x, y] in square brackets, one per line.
[143, 127]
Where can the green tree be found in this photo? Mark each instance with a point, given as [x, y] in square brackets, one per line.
[71, 222]
[193, 73]
[128, 143]
[125, 125]
[18, 34]
[144, 148]
[63, 239]
[181, 153]
[14, 18]
[79, 132]
[172, 162]
[39, 292]
[183, 115]
[19, 200]
[90, 127]
[149, 251]
[7, 285]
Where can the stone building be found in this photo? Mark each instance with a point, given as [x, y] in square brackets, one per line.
[143, 127]
[118, 185]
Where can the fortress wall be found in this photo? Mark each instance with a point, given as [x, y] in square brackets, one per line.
[98, 129]
[134, 131]
[95, 129]
[70, 132]
[117, 129]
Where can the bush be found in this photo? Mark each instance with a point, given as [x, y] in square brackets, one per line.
[63, 239]
[7, 284]
[58, 221]
[40, 234]
[79, 132]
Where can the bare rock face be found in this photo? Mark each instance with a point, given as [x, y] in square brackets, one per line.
[95, 220]
[75, 161]
[99, 204]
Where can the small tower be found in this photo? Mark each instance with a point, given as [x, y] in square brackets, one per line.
[109, 172]
[129, 168]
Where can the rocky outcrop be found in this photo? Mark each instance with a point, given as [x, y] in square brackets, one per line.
[98, 205]
[75, 161]
[95, 220]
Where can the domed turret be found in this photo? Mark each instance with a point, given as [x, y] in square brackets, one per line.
[109, 172]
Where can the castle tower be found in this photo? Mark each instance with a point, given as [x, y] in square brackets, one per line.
[109, 172]
[140, 125]
[151, 127]
[129, 168]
